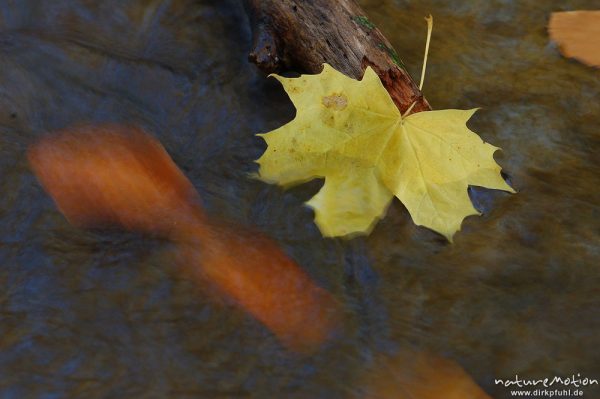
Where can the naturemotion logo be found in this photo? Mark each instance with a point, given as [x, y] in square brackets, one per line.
[565, 387]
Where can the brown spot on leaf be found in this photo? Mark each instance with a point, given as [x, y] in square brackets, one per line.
[336, 101]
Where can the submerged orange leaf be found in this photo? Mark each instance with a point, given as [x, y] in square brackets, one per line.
[578, 35]
[420, 375]
[120, 176]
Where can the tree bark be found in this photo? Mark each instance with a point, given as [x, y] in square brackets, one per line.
[302, 35]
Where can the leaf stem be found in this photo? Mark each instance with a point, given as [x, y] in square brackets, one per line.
[429, 30]
[408, 110]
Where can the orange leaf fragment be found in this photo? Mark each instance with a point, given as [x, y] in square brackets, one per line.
[113, 175]
[421, 375]
[103, 176]
[578, 35]
[250, 269]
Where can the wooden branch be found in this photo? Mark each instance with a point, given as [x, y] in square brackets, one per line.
[302, 35]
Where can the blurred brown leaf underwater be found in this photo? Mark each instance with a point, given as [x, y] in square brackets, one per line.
[119, 176]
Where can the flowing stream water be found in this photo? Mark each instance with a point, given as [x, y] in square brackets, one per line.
[104, 314]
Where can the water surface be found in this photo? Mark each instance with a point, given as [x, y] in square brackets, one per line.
[104, 314]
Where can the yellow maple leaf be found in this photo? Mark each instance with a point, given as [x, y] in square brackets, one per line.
[351, 133]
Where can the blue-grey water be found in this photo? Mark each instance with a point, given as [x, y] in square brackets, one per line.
[105, 315]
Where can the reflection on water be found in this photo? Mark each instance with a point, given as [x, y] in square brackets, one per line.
[105, 314]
